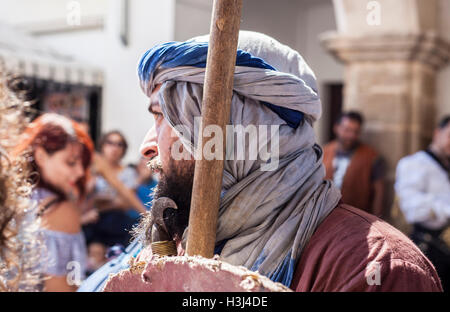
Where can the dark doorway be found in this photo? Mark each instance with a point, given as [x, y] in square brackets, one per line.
[80, 102]
[333, 105]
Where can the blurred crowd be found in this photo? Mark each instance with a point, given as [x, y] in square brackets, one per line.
[87, 201]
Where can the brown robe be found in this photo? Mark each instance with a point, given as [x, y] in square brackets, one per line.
[357, 187]
[350, 245]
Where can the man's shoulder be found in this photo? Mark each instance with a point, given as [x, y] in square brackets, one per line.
[363, 226]
[350, 229]
[420, 156]
[349, 244]
[419, 161]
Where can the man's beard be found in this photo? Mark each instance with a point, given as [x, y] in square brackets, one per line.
[175, 183]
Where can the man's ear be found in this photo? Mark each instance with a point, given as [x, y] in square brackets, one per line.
[40, 156]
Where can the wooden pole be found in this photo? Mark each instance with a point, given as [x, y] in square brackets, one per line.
[217, 92]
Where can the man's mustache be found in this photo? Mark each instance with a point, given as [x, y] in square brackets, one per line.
[155, 164]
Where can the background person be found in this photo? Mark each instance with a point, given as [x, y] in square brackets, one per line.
[423, 189]
[60, 152]
[355, 167]
[97, 280]
[114, 222]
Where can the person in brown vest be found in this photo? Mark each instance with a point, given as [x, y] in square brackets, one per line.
[355, 168]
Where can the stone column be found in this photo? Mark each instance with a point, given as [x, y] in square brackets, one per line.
[390, 77]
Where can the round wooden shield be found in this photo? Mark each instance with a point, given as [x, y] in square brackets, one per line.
[189, 274]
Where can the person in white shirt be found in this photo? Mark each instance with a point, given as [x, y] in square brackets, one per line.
[423, 189]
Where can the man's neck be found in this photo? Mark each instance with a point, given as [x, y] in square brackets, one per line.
[342, 149]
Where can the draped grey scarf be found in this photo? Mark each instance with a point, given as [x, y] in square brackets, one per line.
[265, 217]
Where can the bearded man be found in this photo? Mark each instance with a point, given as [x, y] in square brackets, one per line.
[277, 214]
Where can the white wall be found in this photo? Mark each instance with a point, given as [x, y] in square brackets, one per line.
[124, 104]
[87, 46]
[192, 18]
[20, 12]
[319, 18]
[277, 19]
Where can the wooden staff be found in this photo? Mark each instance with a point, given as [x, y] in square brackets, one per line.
[217, 93]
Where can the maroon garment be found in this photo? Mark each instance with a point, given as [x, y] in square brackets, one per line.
[350, 245]
[357, 187]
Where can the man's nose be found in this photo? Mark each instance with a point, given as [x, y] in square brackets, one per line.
[149, 147]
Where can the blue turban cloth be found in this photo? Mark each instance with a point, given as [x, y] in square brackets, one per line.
[270, 207]
[191, 53]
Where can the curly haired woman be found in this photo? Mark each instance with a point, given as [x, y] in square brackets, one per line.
[60, 152]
